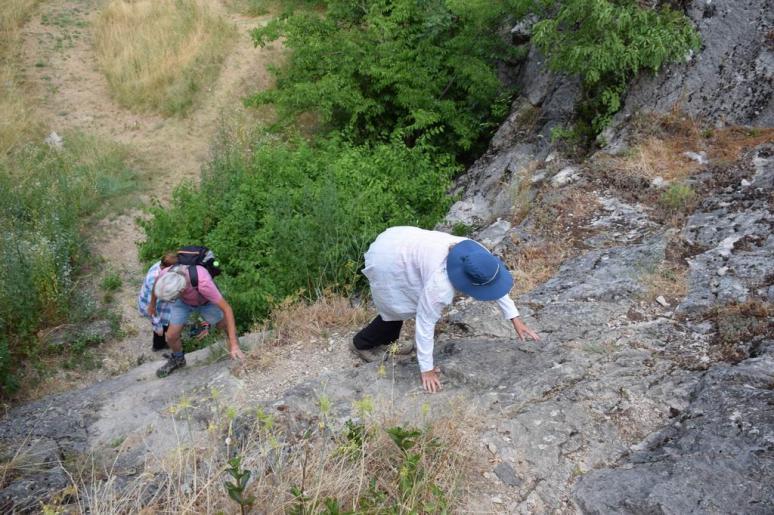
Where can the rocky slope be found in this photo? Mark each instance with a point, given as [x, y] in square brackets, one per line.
[626, 405]
[642, 397]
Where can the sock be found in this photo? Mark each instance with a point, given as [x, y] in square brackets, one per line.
[178, 355]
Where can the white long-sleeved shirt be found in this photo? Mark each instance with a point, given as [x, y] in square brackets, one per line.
[406, 269]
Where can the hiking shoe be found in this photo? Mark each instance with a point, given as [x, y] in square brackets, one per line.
[378, 353]
[173, 363]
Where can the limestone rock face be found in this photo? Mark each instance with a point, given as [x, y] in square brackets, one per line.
[735, 229]
[730, 79]
[489, 188]
[716, 457]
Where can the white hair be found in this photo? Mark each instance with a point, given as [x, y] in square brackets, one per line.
[170, 285]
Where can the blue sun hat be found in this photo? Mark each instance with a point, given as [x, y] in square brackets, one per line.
[473, 270]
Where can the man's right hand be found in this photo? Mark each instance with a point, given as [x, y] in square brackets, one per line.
[151, 310]
[236, 352]
[430, 380]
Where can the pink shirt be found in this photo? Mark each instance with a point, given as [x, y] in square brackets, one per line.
[207, 290]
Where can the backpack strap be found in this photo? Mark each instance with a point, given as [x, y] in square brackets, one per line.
[193, 274]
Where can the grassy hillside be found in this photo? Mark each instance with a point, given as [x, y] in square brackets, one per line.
[160, 55]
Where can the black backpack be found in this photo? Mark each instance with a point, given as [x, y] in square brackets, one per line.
[202, 256]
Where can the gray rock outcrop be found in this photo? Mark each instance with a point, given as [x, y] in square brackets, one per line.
[489, 189]
[131, 411]
[729, 80]
[716, 457]
[622, 407]
[736, 229]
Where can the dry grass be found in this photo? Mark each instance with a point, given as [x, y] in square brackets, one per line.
[729, 143]
[357, 467]
[12, 16]
[17, 123]
[660, 143]
[160, 54]
[564, 214]
[560, 218]
[738, 325]
[533, 265]
[669, 280]
[26, 458]
[656, 157]
[521, 196]
[310, 323]
[297, 320]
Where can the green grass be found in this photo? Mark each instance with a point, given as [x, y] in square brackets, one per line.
[111, 281]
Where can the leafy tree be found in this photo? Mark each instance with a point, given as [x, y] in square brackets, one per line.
[422, 71]
[606, 43]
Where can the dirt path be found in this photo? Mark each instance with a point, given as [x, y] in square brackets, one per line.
[71, 94]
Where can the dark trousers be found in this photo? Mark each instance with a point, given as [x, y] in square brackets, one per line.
[160, 340]
[378, 333]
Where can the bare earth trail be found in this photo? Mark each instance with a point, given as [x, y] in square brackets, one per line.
[71, 93]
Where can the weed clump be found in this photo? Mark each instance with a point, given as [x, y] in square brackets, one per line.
[738, 326]
[678, 198]
[286, 463]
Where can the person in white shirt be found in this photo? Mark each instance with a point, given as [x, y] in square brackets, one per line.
[413, 273]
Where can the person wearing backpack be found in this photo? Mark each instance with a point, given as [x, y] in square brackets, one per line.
[190, 288]
[160, 320]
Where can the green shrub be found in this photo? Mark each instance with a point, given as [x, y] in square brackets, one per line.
[607, 43]
[290, 218]
[461, 229]
[45, 195]
[419, 71]
[264, 7]
[677, 197]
